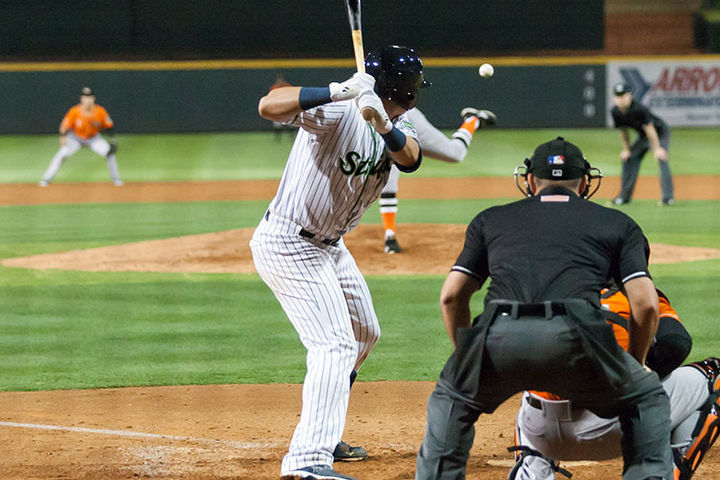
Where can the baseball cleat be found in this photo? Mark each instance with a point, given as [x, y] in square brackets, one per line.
[392, 246]
[486, 117]
[345, 453]
[316, 472]
[118, 183]
[43, 183]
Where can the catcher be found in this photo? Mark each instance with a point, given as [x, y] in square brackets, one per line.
[81, 128]
[550, 429]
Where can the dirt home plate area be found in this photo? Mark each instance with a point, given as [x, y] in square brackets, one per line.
[242, 431]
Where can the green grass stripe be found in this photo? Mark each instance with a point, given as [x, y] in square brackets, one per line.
[257, 155]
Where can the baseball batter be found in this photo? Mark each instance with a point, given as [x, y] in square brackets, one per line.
[435, 145]
[79, 128]
[336, 169]
[550, 429]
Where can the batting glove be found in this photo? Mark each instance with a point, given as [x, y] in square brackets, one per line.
[380, 120]
[486, 117]
[351, 88]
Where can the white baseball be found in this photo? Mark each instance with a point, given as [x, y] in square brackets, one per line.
[486, 70]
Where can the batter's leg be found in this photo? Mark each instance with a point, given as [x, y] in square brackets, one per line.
[631, 168]
[310, 295]
[71, 146]
[366, 327]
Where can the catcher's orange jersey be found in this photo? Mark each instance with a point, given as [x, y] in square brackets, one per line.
[84, 125]
[617, 302]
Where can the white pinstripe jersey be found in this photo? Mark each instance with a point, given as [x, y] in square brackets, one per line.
[336, 169]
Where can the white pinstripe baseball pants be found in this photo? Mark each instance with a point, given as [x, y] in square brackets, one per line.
[328, 302]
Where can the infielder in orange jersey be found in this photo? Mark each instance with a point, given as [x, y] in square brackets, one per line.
[550, 429]
[79, 128]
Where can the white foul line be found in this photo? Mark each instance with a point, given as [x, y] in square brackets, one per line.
[125, 433]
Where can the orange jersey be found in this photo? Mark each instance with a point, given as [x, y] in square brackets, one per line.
[618, 303]
[84, 125]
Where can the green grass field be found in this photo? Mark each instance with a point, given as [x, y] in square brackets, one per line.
[62, 329]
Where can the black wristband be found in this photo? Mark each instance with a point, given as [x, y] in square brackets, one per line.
[395, 140]
[313, 96]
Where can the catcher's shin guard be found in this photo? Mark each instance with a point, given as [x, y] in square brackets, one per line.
[522, 452]
[707, 428]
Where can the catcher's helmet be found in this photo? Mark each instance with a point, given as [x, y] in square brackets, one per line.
[398, 73]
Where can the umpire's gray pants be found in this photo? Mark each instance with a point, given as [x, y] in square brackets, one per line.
[546, 355]
[631, 168]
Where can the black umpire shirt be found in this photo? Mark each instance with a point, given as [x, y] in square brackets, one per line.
[552, 246]
[636, 117]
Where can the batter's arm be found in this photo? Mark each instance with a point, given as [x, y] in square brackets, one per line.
[408, 156]
[280, 104]
[644, 320]
[455, 301]
[285, 103]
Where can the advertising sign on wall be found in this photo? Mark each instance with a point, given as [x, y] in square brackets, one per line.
[681, 93]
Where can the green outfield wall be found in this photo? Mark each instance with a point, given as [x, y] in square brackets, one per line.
[172, 29]
[150, 97]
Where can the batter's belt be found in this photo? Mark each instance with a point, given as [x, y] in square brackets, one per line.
[311, 236]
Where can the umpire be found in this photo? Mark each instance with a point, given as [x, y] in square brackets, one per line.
[548, 257]
[652, 132]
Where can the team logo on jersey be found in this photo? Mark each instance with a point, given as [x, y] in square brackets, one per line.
[352, 164]
[556, 160]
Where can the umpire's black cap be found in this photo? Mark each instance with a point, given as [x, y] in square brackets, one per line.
[621, 89]
[557, 160]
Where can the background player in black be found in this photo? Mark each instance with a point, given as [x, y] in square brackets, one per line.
[548, 257]
[652, 133]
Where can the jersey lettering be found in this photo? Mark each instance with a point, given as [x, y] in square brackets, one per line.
[352, 164]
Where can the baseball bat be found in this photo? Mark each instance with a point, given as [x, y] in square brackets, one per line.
[354, 15]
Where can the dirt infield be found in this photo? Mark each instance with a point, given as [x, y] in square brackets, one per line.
[228, 252]
[242, 431]
[234, 432]
[687, 187]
